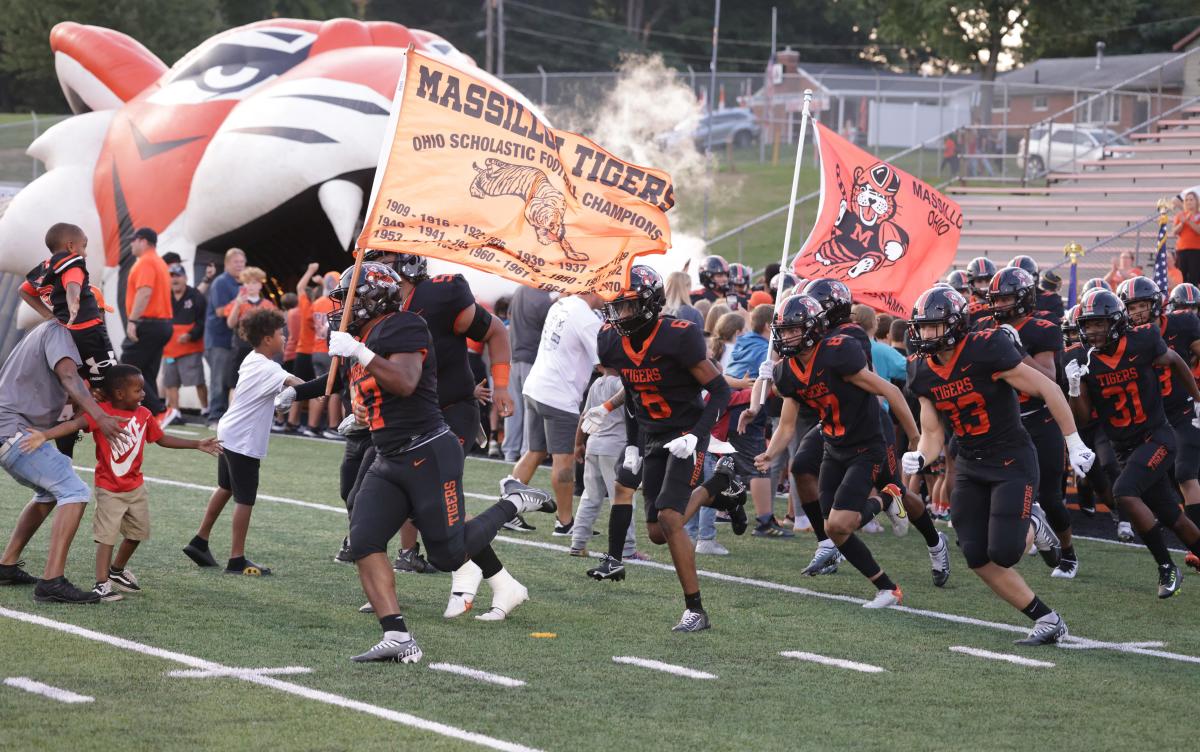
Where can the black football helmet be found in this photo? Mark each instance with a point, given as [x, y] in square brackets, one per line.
[410, 266]
[980, 271]
[1101, 305]
[799, 324]
[377, 294]
[834, 297]
[711, 268]
[1015, 284]
[1096, 283]
[739, 278]
[789, 282]
[638, 305]
[1070, 325]
[959, 280]
[1138, 290]
[1185, 297]
[939, 305]
[1028, 264]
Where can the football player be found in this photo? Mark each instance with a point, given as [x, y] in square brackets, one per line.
[1115, 377]
[1099, 479]
[664, 367]
[972, 379]
[831, 375]
[1012, 298]
[1181, 331]
[959, 280]
[417, 473]
[1047, 304]
[980, 271]
[739, 282]
[714, 280]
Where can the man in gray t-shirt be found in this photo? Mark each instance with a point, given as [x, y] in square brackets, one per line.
[526, 315]
[35, 382]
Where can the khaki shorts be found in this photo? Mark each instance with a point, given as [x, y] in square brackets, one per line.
[184, 371]
[121, 515]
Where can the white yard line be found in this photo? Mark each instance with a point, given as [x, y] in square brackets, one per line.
[1082, 642]
[1008, 658]
[45, 690]
[669, 668]
[327, 698]
[474, 673]
[181, 432]
[237, 673]
[825, 660]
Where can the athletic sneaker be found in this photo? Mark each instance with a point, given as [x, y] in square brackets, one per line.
[13, 574]
[124, 581]
[1046, 631]
[308, 432]
[563, 529]
[580, 552]
[825, 555]
[106, 592]
[692, 621]
[1170, 579]
[332, 435]
[802, 524]
[711, 548]
[608, 569]
[1044, 539]
[249, 569]
[366, 608]
[885, 599]
[168, 417]
[343, 556]
[894, 509]
[738, 520]
[202, 556]
[526, 498]
[398, 649]
[939, 561]
[60, 590]
[519, 525]
[772, 529]
[1066, 569]
[1088, 508]
[494, 449]
[1192, 561]
[1124, 532]
[410, 560]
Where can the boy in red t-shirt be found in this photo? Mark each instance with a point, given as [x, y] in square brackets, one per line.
[122, 504]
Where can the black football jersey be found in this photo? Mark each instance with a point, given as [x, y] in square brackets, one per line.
[1179, 330]
[849, 415]
[657, 376]
[1124, 389]
[1037, 335]
[976, 310]
[704, 293]
[858, 334]
[46, 281]
[395, 420]
[982, 410]
[1050, 306]
[439, 300]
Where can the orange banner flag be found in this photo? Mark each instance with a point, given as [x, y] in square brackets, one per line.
[470, 175]
[886, 234]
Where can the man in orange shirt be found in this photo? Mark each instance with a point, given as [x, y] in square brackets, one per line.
[149, 313]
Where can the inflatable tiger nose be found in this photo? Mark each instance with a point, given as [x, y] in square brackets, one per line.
[264, 137]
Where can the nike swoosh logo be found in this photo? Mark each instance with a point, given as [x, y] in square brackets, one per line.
[654, 358]
[1008, 462]
[417, 463]
[129, 448]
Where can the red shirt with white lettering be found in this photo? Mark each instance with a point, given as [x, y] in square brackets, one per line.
[119, 466]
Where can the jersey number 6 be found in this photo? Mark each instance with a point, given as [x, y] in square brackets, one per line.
[656, 405]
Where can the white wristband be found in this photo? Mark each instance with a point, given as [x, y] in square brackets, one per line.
[1073, 441]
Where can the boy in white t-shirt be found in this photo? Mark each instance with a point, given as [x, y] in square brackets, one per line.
[244, 432]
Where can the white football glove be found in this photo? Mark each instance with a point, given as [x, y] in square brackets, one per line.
[350, 425]
[912, 463]
[1074, 373]
[1081, 457]
[345, 345]
[593, 419]
[683, 447]
[1196, 409]
[633, 459]
[766, 370]
[284, 399]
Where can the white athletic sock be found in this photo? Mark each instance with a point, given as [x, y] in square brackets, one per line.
[466, 579]
[397, 636]
[502, 580]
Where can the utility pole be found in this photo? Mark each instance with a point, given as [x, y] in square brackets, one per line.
[712, 94]
[489, 58]
[770, 111]
[500, 43]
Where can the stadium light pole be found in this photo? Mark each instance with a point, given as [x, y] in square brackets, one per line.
[712, 94]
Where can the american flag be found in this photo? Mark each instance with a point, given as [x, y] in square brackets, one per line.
[1160, 257]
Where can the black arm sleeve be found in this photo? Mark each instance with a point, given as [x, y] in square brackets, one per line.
[479, 324]
[316, 388]
[631, 425]
[718, 400]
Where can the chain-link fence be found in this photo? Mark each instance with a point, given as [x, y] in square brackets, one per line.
[17, 132]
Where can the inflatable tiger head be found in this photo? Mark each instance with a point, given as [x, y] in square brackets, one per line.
[873, 195]
[263, 137]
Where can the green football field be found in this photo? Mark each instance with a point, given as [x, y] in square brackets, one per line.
[201, 660]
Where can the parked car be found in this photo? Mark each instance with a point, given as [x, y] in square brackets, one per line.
[1063, 145]
[735, 125]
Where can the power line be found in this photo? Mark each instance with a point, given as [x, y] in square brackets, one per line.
[617, 46]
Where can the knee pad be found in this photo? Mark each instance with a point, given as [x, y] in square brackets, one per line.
[976, 554]
[361, 546]
[1057, 515]
[1007, 554]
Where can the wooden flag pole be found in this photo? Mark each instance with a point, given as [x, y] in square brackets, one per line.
[347, 314]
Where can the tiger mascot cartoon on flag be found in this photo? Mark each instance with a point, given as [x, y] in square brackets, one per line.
[865, 239]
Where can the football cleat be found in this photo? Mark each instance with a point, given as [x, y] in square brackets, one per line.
[1124, 532]
[1170, 579]
[939, 561]
[692, 621]
[410, 560]
[886, 599]
[507, 594]
[519, 525]
[396, 649]
[343, 556]
[1066, 569]
[894, 509]
[1044, 539]
[366, 608]
[1046, 631]
[526, 498]
[826, 555]
[1192, 561]
[464, 584]
[608, 569]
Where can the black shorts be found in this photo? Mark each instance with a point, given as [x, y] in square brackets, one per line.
[463, 419]
[848, 476]
[95, 352]
[890, 471]
[424, 485]
[991, 503]
[303, 367]
[669, 480]
[1146, 471]
[749, 444]
[1187, 451]
[1051, 455]
[626, 478]
[239, 474]
[807, 460]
